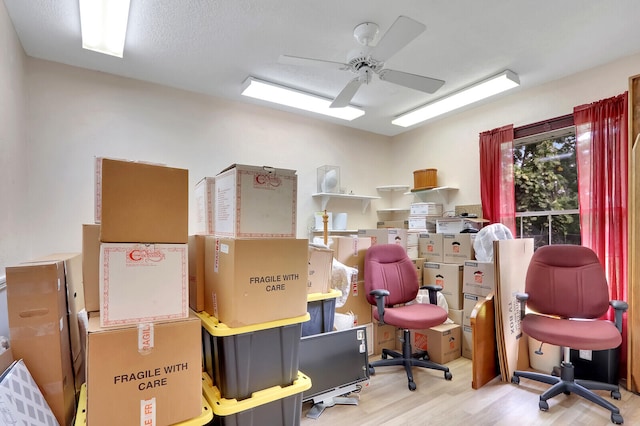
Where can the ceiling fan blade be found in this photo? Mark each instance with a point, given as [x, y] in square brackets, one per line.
[401, 32]
[412, 81]
[309, 62]
[345, 96]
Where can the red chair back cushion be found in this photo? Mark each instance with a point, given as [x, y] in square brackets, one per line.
[387, 266]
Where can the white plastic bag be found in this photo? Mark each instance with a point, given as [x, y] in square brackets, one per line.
[483, 243]
[341, 278]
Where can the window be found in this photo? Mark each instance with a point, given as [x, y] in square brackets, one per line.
[546, 187]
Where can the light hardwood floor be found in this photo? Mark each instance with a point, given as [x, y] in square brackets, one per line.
[386, 400]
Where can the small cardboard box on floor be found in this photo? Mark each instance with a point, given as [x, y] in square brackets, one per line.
[255, 280]
[443, 342]
[136, 373]
[39, 331]
[141, 202]
[256, 202]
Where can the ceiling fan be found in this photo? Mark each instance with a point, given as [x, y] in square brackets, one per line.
[369, 60]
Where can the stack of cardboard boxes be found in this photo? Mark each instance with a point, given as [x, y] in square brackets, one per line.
[136, 294]
[249, 284]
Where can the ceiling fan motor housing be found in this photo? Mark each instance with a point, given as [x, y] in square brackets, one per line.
[365, 33]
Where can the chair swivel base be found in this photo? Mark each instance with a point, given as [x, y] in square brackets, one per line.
[566, 383]
[408, 360]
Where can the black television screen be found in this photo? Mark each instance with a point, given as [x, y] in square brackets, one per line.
[335, 362]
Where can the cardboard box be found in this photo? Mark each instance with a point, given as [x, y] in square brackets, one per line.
[143, 283]
[470, 301]
[251, 281]
[443, 342]
[136, 371]
[357, 304]
[21, 400]
[456, 316]
[385, 236]
[384, 337]
[431, 209]
[75, 303]
[350, 251]
[91, 266]
[458, 248]
[382, 224]
[143, 203]
[39, 331]
[430, 246]
[419, 264]
[422, 222]
[6, 359]
[204, 194]
[455, 225]
[478, 277]
[320, 264]
[467, 342]
[196, 272]
[449, 277]
[256, 202]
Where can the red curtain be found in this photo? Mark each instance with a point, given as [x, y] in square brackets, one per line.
[602, 156]
[497, 190]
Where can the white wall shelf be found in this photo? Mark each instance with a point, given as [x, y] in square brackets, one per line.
[393, 188]
[443, 191]
[326, 196]
[394, 210]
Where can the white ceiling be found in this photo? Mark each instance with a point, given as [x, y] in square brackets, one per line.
[212, 46]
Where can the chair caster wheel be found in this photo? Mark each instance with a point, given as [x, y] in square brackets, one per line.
[617, 419]
[372, 371]
[448, 375]
[543, 405]
[412, 386]
[616, 395]
[515, 380]
[384, 356]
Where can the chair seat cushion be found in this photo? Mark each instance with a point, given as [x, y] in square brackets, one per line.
[576, 334]
[415, 316]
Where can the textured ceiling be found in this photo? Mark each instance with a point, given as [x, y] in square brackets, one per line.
[212, 46]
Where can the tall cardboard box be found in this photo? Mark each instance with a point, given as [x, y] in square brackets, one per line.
[478, 277]
[458, 248]
[204, 193]
[467, 342]
[91, 266]
[143, 203]
[449, 277]
[75, 303]
[350, 251]
[419, 264]
[357, 304]
[139, 372]
[196, 272]
[255, 280]
[143, 283]
[256, 202]
[39, 331]
[470, 301]
[430, 247]
[384, 337]
[320, 263]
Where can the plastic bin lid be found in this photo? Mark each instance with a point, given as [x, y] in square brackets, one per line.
[218, 329]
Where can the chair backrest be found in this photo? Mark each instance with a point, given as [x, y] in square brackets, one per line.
[388, 266]
[567, 281]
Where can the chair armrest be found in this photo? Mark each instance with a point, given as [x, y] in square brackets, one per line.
[620, 307]
[380, 294]
[522, 298]
[433, 292]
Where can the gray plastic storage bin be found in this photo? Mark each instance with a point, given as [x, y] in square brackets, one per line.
[322, 311]
[247, 359]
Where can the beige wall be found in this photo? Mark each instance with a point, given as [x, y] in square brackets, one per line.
[14, 235]
[451, 144]
[76, 114]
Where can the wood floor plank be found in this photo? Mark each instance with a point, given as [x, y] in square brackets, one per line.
[387, 401]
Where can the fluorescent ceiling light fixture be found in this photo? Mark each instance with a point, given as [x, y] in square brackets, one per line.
[492, 86]
[104, 25]
[282, 95]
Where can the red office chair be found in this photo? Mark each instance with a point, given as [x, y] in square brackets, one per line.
[566, 291]
[390, 281]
